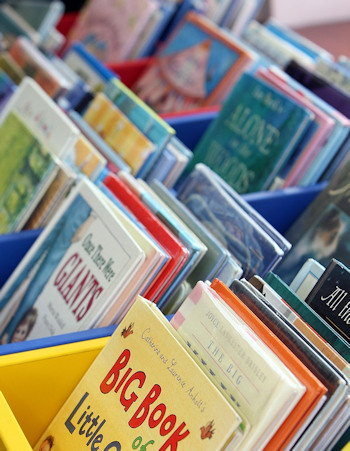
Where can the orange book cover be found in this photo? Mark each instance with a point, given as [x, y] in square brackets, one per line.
[315, 390]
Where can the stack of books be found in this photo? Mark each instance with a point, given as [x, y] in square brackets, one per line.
[134, 225]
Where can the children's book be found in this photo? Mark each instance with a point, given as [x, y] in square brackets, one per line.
[36, 65]
[309, 315]
[178, 253]
[87, 66]
[250, 245]
[119, 132]
[306, 277]
[240, 364]
[102, 26]
[173, 404]
[329, 297]
[77, 266]
[335, 73]
[197, 65]
[11, 68]
[321, 231]
[143, 117]
[323, 370]
[253, 136]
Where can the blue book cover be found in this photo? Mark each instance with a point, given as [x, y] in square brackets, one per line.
[255, 133]
[246, 240]
[141, 115]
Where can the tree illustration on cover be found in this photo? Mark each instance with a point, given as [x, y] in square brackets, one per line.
[184, 75]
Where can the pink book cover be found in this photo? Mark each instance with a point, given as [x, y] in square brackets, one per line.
[110, 28]
[318, 139]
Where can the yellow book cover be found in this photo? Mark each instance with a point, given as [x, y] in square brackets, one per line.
[144, 391]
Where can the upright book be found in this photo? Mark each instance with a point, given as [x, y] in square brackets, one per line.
[172, 403]
[75, 269]
[253, 136]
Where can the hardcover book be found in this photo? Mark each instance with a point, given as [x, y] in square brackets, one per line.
[253, 136]
[77, 266]
[109, 29]
[197, 66]
[322, 230]
[309, 425]
[248, 372]
[329, 297]
[172, 404]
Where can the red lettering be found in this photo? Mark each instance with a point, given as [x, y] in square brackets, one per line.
[127, 402]
[62, 275]
[120, 363]
[143, 410]
[175, 438]
[152, 422]
[93, 297]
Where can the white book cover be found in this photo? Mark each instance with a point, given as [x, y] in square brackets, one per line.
[247, 371]
[77, 266]
[42, 116]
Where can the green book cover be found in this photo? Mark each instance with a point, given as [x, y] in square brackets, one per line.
[309, 315]
[253, 136]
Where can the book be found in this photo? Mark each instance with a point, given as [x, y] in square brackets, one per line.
[250, 244]
[306, 278]
[178, 253]
[119, 132]
[196, 66]
[248, 372]
[329, 297]
[321, 230]
[75, 269]
[173, 403]
[253, 136]
[143, 117]
[110, 30]
[13, 25]
[36, 65]
[335, 382]
[309, 315]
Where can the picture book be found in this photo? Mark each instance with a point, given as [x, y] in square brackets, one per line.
[321, 231]
[309, 315]
[177, 252]
[306, 277]
[103, 25]
[173, 404]
[87, 66]
[249, 244]
[248, 372]
[143, 117]
[76, 267]
[196, 66]
[43, 117]
[36, 65]
[310, 424]
[277, 304]
[119, 132]
[329, 297]
[334, 73]
[253, 136]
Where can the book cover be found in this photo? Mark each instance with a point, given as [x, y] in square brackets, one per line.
[197, 66]
[335, 382]
[253, 135]
[171, 244]
[110, 29]
[143, 117]
[249, 374]
[171, 403]
[76, 267]
[309, 315]
[249, 244]
[321, 231]
[119, 132]
[306, 277]
[329, 297]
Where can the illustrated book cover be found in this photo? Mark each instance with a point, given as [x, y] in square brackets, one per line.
[144, 389]
[253, 136]
[196, 66]
[76, 267]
